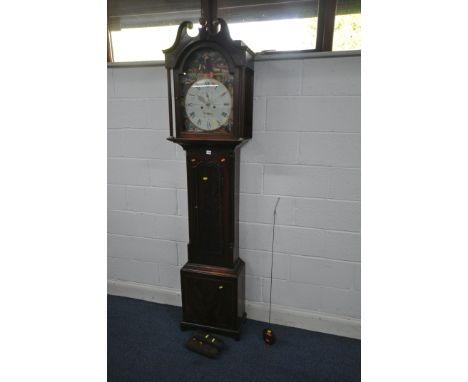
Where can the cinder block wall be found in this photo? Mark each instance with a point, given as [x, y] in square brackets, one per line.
[305, 149]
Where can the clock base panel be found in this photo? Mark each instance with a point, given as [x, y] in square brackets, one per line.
[213, 298]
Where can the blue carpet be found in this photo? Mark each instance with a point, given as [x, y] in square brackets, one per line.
[146, 344]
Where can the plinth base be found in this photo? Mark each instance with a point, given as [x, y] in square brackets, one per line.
[211, 329]
[213, 298]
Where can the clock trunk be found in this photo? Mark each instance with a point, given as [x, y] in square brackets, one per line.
[213, 198]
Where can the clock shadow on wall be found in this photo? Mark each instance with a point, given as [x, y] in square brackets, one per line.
[210, 84]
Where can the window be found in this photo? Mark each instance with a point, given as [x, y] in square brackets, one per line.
[283, 25]
[347, 34]
[140, 29]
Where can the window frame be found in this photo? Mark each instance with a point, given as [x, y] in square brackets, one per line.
[327, 10]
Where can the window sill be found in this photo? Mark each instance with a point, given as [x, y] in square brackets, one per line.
[266, 56]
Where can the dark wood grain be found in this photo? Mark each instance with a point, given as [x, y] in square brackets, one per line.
[213, 298]
[212, 188]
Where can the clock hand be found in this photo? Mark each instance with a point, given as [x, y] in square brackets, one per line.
[200, 98]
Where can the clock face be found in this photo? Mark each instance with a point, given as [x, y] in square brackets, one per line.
[206, 88]
[208, 104]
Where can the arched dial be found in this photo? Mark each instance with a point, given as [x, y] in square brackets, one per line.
[208, 104]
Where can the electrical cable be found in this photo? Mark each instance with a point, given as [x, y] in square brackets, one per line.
[268, 334]
[272, 246]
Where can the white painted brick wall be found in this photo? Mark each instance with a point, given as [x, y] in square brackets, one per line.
[257, 209]
[142, 249]
[287, 78]
[132, 270]
[339, 215]
[141, 199]
[130, 143]
[126, 171]
[332, 77]
[330, 149]
[314, 113]
[305, 149]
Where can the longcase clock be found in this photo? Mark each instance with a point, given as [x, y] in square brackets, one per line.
[210, 83]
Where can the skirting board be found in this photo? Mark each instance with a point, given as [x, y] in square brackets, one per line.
[281, 315]
[305, 319]
[144, 292]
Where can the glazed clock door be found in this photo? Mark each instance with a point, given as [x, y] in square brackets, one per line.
[206, 94]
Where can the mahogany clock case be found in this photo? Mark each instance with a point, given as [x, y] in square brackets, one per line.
[213, 279]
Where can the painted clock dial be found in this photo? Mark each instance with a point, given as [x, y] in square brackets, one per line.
[208, 104]
[207, 93]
